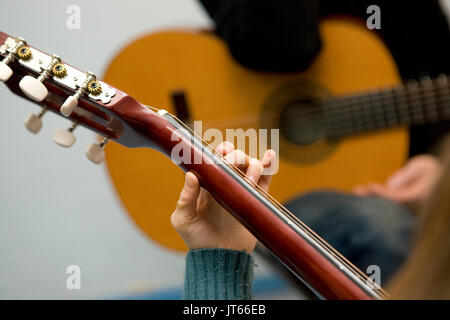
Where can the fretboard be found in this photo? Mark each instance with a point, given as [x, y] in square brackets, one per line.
[413, 103]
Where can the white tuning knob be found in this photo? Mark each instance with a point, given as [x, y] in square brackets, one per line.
[71, 102]
[5, 72]
[34, 122]
[33, 88]
[95, 152]
[68, 106]
[65, 138]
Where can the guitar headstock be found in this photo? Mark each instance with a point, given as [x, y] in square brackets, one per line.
[78, 95]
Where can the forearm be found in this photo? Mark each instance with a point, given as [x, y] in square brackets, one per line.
[218, 274]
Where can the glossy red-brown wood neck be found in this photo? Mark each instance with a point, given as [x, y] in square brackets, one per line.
[149, 128]
[3, 37]
[276, 235]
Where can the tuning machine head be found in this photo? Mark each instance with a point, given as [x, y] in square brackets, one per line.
[5, 72]
[95, 152]
[65, 138]
[33, 87]
[33, 122]
[21, 51]
[90, 85]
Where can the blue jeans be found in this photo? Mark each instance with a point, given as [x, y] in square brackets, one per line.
[366, 230]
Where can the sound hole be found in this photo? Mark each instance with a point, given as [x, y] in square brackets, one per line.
[301, 122]
[295, 109]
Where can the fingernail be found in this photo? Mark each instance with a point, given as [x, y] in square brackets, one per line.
[189, 182]
[267, 159]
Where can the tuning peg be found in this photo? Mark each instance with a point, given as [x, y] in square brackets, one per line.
[95, 152]
[33, 87]
[5, 72]
[442, 79]
[426, 81]
[65, 138]
[20, 50]
[34, 122]
[71, 102]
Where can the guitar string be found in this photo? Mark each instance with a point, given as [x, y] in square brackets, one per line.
[292, 217]
[347, 126]
[325, 245]
[396, 115]
[407, 116]
[358, 273]
[403, 93]
[413, 111]
[395, 93]
[306, 229]
[328, 248]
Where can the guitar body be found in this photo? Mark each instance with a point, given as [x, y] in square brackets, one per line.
[224, 94]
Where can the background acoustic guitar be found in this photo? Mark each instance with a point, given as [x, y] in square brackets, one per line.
[334, 133]
[62, 89]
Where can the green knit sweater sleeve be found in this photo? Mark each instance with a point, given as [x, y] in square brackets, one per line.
[218, 274]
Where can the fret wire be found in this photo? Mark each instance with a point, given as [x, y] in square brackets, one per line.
[427, 112]
[362, 113]
[378, 116]
[414, 101]
[411, 107]
[395, 108]
[357, 115]
[443, 85]
[402, 107]
[389, 106]
[430, 101]
[382, 107]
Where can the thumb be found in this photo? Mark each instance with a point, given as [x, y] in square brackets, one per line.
[187, 203]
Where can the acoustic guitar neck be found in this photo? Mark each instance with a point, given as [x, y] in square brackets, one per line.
[415, 103]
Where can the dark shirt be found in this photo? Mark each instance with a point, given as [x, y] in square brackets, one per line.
[283, 36]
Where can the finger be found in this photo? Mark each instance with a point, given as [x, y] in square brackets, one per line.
[413, 194]
[376, 189]
[268, 161]
[403, 177]
[238, 158]
[187, 203]
[360, 190]
[399, 195]
[370, 189]
[205, 200]
[225, 148]
[254, 170]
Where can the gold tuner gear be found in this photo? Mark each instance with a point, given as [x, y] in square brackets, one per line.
[24, 53]
[59, 70]
[94, 88]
